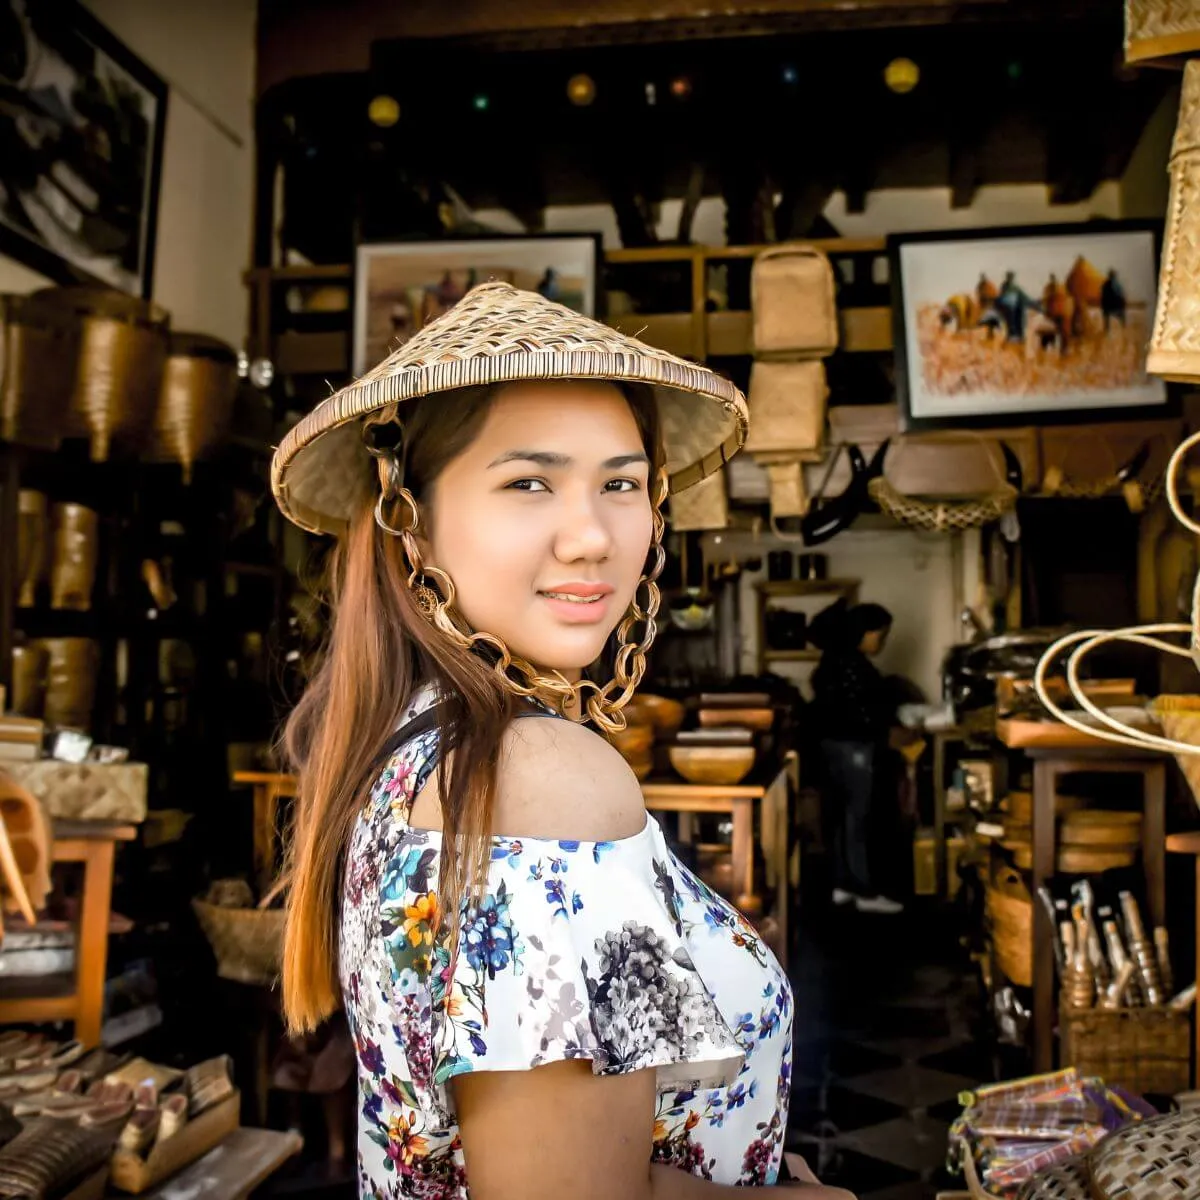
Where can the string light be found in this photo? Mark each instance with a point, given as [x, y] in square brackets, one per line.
[681, 87]
[383, 111]
[902, 75]
[790, 75]
[581, 90]
[481, 102]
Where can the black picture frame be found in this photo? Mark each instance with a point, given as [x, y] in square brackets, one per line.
[82, 122]
[1024, 348]
[432, 259]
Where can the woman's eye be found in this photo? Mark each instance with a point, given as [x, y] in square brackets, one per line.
[528, 485]
[622, 485]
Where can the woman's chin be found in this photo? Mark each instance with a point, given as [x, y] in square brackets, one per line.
[570, 656]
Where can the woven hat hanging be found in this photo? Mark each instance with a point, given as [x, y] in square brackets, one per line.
[941, 516]
[1175, 341]
[496, 333]
[1160, 32]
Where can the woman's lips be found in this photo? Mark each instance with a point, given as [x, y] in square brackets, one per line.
[578, 603]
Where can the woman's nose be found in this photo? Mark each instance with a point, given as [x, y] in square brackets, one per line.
[582, 533]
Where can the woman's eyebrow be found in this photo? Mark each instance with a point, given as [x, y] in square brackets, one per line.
[547, 458]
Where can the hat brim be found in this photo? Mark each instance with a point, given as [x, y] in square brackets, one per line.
[321, 473]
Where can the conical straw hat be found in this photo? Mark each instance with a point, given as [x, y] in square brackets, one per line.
[322, 473]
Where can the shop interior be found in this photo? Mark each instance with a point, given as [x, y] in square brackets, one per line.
[946, 250]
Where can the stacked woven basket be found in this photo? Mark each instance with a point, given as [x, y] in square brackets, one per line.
[97, 364]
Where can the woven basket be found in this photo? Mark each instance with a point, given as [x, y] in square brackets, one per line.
[1183, 725]
[787, 407]
[195, 401]
[39, 352]
[1010, 912]
[1161, 31]
[1175, 341]
[795, 311]
[247, 942]
[705, 506]
[1147, 1050]
[120, 366]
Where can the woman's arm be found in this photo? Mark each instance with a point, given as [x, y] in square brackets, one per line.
[561, 1131]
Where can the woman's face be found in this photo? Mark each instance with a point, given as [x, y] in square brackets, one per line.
[874, 640]
[544, 521]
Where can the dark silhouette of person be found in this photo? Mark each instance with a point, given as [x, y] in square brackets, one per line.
[1112, 300]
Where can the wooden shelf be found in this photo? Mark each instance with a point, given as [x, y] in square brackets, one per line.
[693, 333]
[807, 587]
[791, 655]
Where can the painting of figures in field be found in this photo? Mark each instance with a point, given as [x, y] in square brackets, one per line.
[402, 286]
[1014, 327]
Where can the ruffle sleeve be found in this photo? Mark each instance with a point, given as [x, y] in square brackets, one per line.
[576, 951]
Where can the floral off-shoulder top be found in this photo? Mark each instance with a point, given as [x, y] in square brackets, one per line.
[607, 951]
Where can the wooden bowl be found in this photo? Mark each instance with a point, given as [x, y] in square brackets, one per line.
[713, 765]
[747, 718]
[641, 765]
[1096, 827]
[666, 716]
[634, 741]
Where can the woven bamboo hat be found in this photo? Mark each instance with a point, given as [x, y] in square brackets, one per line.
[322, 473]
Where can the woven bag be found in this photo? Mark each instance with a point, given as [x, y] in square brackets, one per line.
[942, 516]
[787, 407]
[703, 506]
[792, 294]
[1157, 1159]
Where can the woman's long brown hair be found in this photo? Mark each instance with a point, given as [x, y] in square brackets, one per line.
[379, 649]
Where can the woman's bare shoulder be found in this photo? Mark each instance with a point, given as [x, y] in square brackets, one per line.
[556, 779]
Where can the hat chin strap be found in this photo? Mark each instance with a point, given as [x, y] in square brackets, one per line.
[578, 701]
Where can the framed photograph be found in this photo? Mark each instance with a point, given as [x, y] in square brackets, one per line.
[401, 286]
[81, 138]
[1025, 326]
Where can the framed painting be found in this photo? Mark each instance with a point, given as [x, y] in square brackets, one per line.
[81, 140]
[399, 287]
[1025, 326]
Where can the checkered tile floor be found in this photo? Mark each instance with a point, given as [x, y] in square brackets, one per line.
[888, 1033]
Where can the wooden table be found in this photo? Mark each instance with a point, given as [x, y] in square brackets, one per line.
[1189, 843]
[93, 844]
[269, 789]
[1049, 764]
[232, 1170]
[738, 801]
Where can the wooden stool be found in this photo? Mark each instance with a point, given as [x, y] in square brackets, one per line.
[1189, 843]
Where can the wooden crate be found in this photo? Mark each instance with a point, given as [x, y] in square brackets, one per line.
[134, 1174]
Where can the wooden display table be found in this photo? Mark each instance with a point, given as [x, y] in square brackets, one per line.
[94, 845]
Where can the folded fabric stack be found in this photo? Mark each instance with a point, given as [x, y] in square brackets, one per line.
[1015, 1130]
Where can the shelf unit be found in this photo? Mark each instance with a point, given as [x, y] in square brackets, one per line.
[767, 593]
[692, 332]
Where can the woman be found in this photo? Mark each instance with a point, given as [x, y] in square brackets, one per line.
[543, 1001]
[853, 710]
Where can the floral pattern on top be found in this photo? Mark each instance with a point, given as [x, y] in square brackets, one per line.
[607, 951]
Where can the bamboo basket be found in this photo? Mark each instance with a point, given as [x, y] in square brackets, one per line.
[1147, 1050]
[248, 942]
[1010, 913]
[195, 401]
[120, 366]
[795, 309]
[39, 354]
